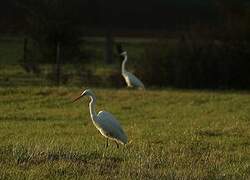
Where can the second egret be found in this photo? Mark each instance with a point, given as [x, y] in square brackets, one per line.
[131, 80]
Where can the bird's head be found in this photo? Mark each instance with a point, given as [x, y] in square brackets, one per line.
[86, 92]
[119, 48]
[124, 53]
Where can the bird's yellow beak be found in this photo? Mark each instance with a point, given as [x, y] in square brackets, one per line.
[76, 99]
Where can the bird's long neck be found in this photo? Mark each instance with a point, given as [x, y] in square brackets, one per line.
[92, 109]
[123, 63]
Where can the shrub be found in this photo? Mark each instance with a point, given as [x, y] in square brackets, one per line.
[196, 60]
[156, 67]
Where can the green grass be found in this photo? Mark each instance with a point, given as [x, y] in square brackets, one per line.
[174, 134]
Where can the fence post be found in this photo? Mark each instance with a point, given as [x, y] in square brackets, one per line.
[109, 47]
[58, 64]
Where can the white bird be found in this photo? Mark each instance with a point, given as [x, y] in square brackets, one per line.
[104, 121]
[131, 80]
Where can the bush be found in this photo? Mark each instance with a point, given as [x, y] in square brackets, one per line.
[156, 69]
[116, 80]
[197, 60]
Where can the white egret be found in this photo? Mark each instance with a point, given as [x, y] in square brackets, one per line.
[104, 121]
[131, 80]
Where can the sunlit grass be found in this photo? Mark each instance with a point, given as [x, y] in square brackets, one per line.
[173, 134]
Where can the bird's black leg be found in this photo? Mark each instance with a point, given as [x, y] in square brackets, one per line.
[117, 145]
[107, 143]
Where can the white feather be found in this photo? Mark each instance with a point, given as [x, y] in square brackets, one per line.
[104, 121]
[110, 127]
[131, 80]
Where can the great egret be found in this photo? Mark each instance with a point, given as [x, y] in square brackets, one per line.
[104, 121]
[131, 80]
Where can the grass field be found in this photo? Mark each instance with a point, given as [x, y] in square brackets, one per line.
[174, 134]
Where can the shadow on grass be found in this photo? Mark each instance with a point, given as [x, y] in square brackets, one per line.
[60, 162]
[227, 132]
[24, 156]
[210, 133]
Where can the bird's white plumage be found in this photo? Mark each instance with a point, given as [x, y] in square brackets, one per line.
[110, 127]
[131, 80]
[104, 121]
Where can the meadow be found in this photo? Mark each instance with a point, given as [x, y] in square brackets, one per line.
[173, 134]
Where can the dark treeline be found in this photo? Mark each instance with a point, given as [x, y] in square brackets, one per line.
[157, 14]
[205, 55]
[212, 38]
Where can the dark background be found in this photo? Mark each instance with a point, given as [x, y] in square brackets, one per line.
[200, 43]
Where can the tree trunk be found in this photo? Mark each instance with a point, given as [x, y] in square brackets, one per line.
[24, 62]
[25, 49]
[58, 64]
[109, 59]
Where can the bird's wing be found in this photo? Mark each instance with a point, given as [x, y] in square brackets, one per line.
[111, 126]
[134, 80]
